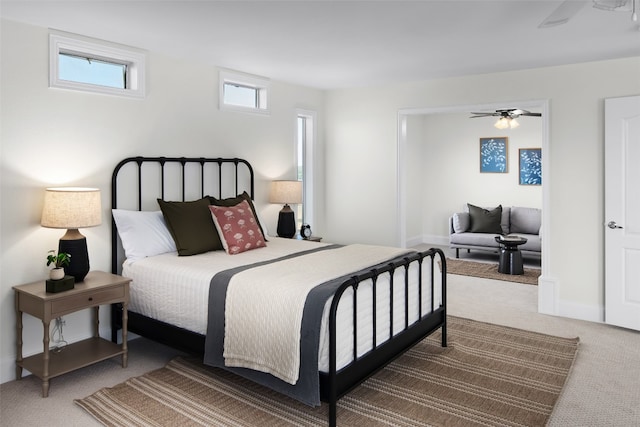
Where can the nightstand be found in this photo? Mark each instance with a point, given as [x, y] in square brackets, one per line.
[310, 239]
[97, 288]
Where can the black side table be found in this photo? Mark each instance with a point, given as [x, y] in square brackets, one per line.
[510, 255]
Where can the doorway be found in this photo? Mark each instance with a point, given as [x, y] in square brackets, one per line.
[407, 155]
[622, 204]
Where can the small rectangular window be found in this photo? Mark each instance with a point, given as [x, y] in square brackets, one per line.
[84, 69]
[242, 92]
[91, 65]
[242, 96]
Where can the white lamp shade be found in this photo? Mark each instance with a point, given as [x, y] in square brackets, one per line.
[71, 207]
[502, 123]
[286, 192]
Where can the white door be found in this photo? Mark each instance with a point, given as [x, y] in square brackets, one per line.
[622, 212]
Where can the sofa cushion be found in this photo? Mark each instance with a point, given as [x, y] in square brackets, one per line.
[461, 222]
[525, 220]
[484, 220]
[474, 239]
[504, 222]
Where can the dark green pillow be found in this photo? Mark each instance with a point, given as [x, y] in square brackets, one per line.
[485, 221]
[191, 225]
[232, 201]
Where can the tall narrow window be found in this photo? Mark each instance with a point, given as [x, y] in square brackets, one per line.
[304, 155]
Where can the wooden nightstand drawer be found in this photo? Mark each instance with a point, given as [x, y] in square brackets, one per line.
[86, 299]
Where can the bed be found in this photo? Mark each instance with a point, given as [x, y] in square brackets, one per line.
[374, 305]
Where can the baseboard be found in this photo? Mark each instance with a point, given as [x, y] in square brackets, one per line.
[550, 303]
[7, 369]
[414, 241]
[591, 313]
[428, 239]
[547, 295]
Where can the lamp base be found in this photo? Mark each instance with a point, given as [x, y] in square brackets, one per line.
[286, 222]
[79, 264]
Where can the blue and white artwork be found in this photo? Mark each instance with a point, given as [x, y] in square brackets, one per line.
[530, 166]
[493, 155]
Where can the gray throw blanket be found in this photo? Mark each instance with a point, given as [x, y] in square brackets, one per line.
[306, 389]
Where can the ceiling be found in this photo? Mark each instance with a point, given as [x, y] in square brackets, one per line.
[337, 44]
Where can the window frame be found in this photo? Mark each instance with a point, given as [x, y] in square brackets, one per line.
[262, 86]
[308, 159]
[98, 50]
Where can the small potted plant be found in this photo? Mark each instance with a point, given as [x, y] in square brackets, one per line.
[58, 261]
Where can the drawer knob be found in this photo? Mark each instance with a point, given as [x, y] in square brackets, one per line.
[90, 298]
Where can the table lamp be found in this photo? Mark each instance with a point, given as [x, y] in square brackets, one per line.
[72, 208]
[286, 192]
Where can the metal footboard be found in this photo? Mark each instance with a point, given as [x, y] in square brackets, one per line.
[336, 383]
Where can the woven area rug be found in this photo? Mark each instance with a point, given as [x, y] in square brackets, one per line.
[488, 375]
[490, 271]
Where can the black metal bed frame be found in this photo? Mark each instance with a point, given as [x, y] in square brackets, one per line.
[336, 383]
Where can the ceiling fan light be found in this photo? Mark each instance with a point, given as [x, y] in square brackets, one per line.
[613, 5]
[502, 123]
[513, 123]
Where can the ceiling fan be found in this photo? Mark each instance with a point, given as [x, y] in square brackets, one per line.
[569, 8]
[506, 117]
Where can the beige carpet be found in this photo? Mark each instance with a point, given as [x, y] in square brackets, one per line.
[490, 271]
[489, 375]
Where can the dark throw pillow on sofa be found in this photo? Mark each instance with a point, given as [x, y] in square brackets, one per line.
[191, 226]
[484, 220]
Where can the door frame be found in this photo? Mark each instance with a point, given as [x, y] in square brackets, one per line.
[617, 242]
[547, 286]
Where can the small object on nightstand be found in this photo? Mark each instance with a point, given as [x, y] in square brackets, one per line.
[305, 231]
[64, 284]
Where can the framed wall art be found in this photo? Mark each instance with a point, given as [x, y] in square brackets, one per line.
[530, 166]
[494, 155]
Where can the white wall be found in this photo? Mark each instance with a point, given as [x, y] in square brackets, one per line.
[57, 137]
[451, 144]
[361, 141]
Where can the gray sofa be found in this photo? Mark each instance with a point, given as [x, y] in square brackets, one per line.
[477, 228]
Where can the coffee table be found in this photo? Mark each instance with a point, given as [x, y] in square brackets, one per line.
[510, 255]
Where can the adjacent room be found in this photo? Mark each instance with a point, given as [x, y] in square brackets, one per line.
[319, 213]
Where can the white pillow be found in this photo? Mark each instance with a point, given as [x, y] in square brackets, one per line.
[143, 233]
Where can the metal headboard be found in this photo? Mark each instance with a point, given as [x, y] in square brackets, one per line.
[241, 168]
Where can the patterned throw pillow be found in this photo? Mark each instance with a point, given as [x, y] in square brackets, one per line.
[237, 227]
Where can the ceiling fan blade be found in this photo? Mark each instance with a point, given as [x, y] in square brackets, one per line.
[527, 113]
[563, 13]
[483, 114]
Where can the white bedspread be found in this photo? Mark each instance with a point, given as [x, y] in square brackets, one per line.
[268, 301]
[176, 289]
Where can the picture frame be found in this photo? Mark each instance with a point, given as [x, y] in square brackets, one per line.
[494, 156]
[530, 166]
